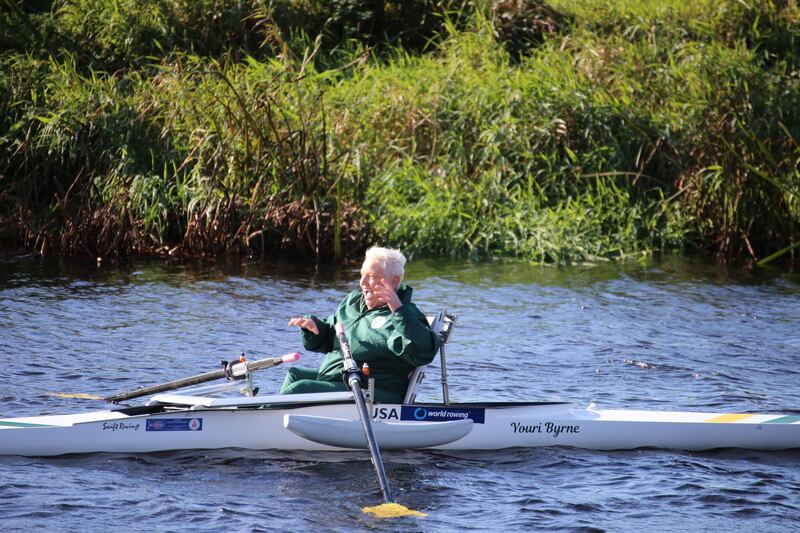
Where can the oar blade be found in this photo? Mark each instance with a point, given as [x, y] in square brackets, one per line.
[75, 395]
[392, 510]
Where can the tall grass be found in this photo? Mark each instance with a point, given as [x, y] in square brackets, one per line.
[613, 129]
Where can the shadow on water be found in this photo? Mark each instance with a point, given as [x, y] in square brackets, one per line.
[56, 271]
[488, 272]
[666, 269]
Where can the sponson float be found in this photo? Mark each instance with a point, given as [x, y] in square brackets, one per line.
[197, 418]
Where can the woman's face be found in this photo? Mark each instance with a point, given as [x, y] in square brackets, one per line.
[373, 278]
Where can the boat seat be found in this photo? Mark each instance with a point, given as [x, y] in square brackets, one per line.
[442, 325]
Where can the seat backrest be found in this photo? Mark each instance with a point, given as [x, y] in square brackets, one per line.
[416, 377]
[441, 325]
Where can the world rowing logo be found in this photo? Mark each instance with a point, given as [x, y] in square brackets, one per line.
[442, 414]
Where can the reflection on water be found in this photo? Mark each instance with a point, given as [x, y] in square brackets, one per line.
[673, 333]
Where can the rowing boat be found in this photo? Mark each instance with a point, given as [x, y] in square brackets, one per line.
[198, 418]
[196, 422]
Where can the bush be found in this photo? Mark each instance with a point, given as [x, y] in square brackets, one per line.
[585, 131]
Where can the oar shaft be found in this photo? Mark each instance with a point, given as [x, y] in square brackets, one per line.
[237, 370]
[355, 386]
[354, 382]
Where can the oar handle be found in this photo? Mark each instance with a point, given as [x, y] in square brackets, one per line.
[349, 363]
[237, 370]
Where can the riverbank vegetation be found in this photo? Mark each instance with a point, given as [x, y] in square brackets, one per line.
[563, 131]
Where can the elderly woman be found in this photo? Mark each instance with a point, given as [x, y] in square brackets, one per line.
[383, 327]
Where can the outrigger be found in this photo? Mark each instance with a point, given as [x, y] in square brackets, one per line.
[197, 418]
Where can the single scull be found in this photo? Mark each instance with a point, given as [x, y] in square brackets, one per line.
[196, 419]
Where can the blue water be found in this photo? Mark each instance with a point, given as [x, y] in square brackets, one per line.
[669, 334]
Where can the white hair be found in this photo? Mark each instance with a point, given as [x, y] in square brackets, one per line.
[392, 260]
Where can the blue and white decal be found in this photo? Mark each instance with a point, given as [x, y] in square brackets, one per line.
[442, 414]
[174, 424]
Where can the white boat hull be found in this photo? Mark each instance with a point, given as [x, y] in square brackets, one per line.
[495, 426]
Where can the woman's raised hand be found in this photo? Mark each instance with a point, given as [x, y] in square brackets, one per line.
[387, 293]
[307, 324]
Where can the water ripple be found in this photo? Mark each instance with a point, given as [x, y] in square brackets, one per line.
[674, 334]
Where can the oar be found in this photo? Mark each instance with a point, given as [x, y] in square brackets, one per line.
[353, 378]
[234, 371]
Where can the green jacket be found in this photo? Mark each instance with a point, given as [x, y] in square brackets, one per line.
[392, 343]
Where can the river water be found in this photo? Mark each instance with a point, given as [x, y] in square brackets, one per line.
[673, 334]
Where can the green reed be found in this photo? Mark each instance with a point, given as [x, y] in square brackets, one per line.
[614, 129]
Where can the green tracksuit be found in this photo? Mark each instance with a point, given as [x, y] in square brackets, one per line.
[391, 343]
